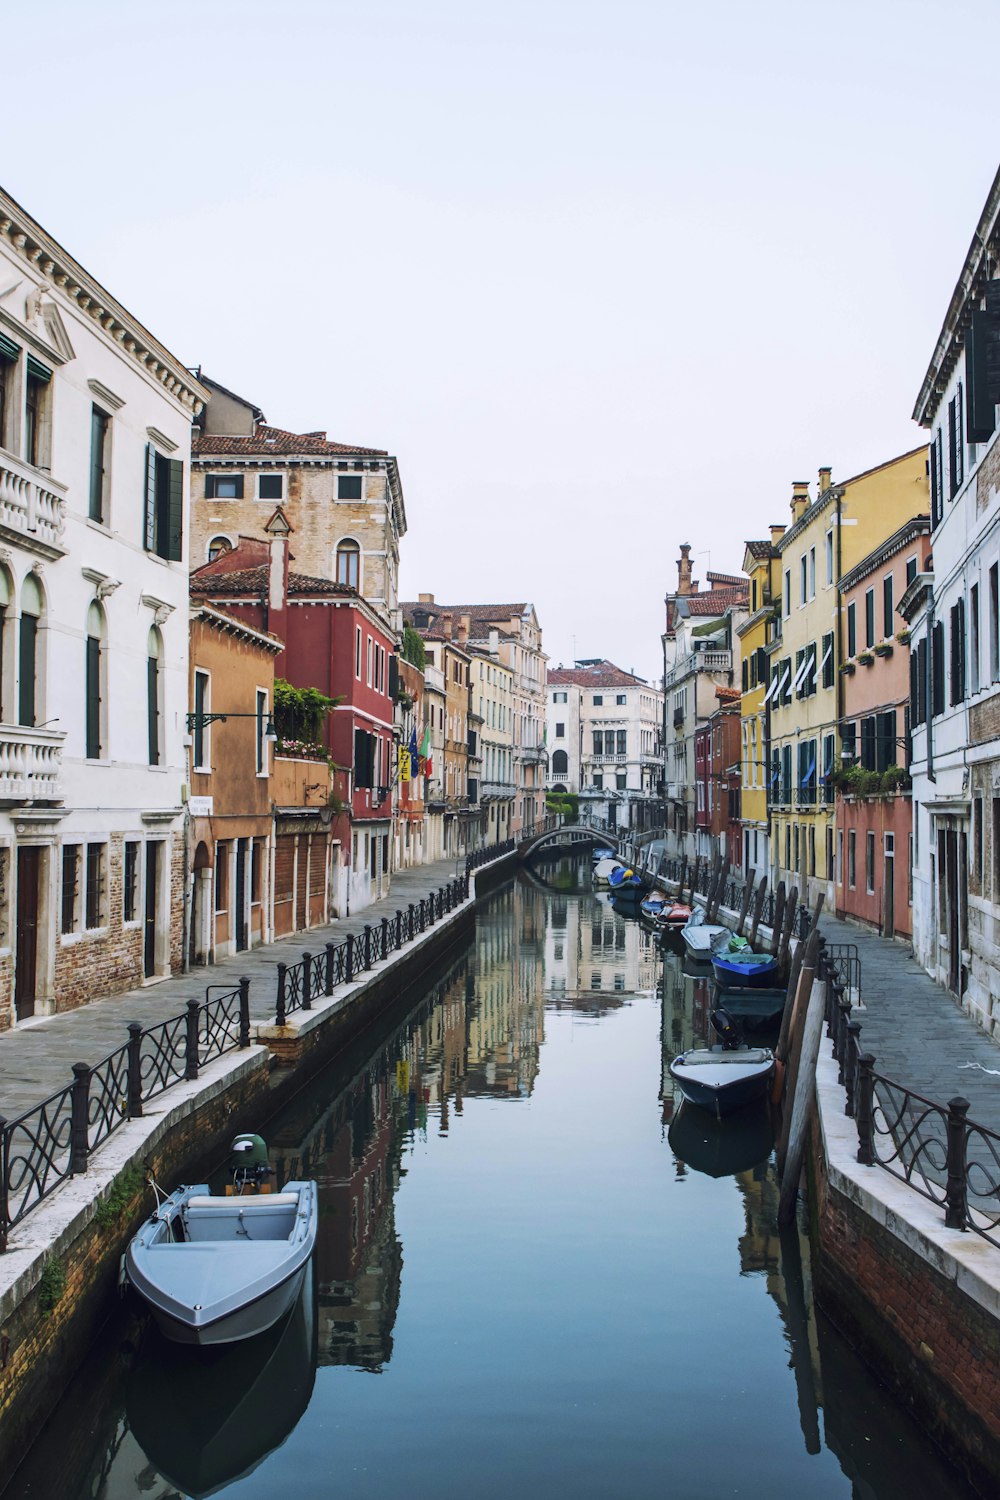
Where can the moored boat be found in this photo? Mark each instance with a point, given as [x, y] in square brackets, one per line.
[700, 935]
[722, 1148]
[217, 1269]
[755, 1005]
[727, 1076]
[743, 969]
[675, 914]
[603, 869]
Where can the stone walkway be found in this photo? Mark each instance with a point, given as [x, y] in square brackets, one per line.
[37, 1057]
[919, 1035]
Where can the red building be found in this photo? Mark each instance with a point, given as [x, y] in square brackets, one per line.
[724, 774]
[337, 643]
[702, 791]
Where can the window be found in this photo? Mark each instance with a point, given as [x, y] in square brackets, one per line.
[94, 684]
[369, 660]
[958, 652]
[95, 885]
[977, 843]
[357, 653]
[256, 871]
[599, 781]
[869, 618]
[201, 732]
[788, 592]
[560, 763]
[349, 563]
[870, 863]
[937, 670]
[956, 447]
[100, 463]
[620, 780]
[621, 742]
[164, 529]
[9, 352]
[261, 726]
[558, 697]
[827, 663]
[154, 684]
[69, 913]
[598, 700]
[270, 487]
[887, 606]
[974, 638]
[994, 627]
[37, 392]
[885, 740]
[598, 742]
[803, 580]
[852, 629]
[130, 882]
[852, 851]
[619, 698]
[812, 572]
[350, 486]
[27, 651]
[829, 557]
[560, 731]
[223, 486]
[218, 547]
[840, 856]
[911, 570]
[937, 481]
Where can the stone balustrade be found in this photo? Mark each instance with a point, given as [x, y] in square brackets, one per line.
[30, 764]
[32, 506]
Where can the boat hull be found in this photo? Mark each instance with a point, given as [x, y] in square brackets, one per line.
[758, 1004]
[245, 1323]
[723, 1082]
[733, 975]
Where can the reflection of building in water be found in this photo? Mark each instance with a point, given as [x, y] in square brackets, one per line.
[686, 1004]
[591, 952]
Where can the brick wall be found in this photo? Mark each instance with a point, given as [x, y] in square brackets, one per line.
[937, 1348]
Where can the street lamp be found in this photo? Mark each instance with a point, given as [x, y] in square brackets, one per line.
[197, 721]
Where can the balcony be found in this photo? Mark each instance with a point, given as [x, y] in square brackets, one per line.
[497, 791]
[676, 791]
[609, 760]
[32, 508]
[716, 661]
[531, 755]
[678, 717]
[297, 782]
[30, 764]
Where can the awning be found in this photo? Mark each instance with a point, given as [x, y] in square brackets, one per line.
[37, 370]
[800, 674]
[773, 684]
[826, 658]
[810, 772]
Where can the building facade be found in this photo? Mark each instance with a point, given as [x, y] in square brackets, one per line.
[95, 434]
[761, 563]
[493, 698]
[603, 738]
[874, 848]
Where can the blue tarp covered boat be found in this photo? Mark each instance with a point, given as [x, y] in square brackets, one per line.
[743, 969]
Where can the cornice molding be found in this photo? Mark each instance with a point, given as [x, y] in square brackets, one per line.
[909, 532]
[44, 258]
[161, 440]
[96, 388]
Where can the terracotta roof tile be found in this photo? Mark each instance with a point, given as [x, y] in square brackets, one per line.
[717, 602]
[253, 581]
[275, 442]
[761, 549]
[603, 675]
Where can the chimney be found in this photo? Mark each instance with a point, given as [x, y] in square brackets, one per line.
[800, 498]
[777, 532]
[279, 531]
[684, 569]
[463, 629]
[824, 482]
[494, 643]
[425, 598]
[446, 624]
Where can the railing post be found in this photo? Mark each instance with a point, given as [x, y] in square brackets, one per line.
[850, 1066]
[413, 920]
[956, 1195]
[134, 1089]
[368, 946]
[244, 1012]
[864, 1109]
[399, 929]
[385, 937]
[191, 1041]
[431, 904]
[79, 1144]
[4, 1202]
[328, 976]
[280, 1014]
[349, 960]
[307, 968]
[840, 1050]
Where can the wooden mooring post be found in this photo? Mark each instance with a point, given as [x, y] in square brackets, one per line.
[791, 908]
[758, 909]
[745, 903]
[779, 916]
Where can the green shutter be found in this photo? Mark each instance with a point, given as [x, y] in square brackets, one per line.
[26, 670]
[153, 709]
[37, 370]
[175, 536]
[8, 348]
[150, 537]
[93, 707]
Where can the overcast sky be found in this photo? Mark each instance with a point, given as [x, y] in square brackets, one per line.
[605, 277]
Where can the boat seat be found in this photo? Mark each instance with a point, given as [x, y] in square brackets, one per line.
[752, 1055]
[251, 1202]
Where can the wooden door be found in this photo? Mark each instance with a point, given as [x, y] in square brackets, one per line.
[240, 894]
[149, 923]
[26, 958]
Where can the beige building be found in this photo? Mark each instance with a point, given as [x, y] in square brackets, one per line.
[492, 698]
[345, 503]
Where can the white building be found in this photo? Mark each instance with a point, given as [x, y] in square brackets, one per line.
[603, 737]
[954, 618]
[95, 431]
[492, 699]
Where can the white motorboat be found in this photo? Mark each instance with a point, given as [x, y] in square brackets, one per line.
[217, 1269]
[603, 869]
[700, 936]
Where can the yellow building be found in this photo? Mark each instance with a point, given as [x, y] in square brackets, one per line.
[762, 565]
[493, 700]
[828, 537]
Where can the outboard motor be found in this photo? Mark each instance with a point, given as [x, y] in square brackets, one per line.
[727, 1030]
[251, 1169]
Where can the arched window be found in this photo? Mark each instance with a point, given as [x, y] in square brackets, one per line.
[560, 763]
[349, 563]
[96, 697]
[154, 669]
[27, 651]
[217, 546]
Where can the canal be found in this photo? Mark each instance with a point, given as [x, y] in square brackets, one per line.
[534, 1274]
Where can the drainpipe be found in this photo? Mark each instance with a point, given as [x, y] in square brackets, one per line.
[931, 774]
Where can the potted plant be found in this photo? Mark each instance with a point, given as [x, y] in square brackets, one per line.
[866, 658]
[848, 667]
[903, 637]
[884, 648]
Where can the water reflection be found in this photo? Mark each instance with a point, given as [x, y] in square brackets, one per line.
[504, 1245]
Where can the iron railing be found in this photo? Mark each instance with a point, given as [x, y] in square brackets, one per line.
[487, 853]
[54, 1140]
[933, 1147]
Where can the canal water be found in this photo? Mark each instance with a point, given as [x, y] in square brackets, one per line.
[535, 1274]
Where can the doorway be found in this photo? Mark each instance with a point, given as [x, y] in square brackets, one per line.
[149, 922]
[26, 957]
[888, 887]
[240, 895]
